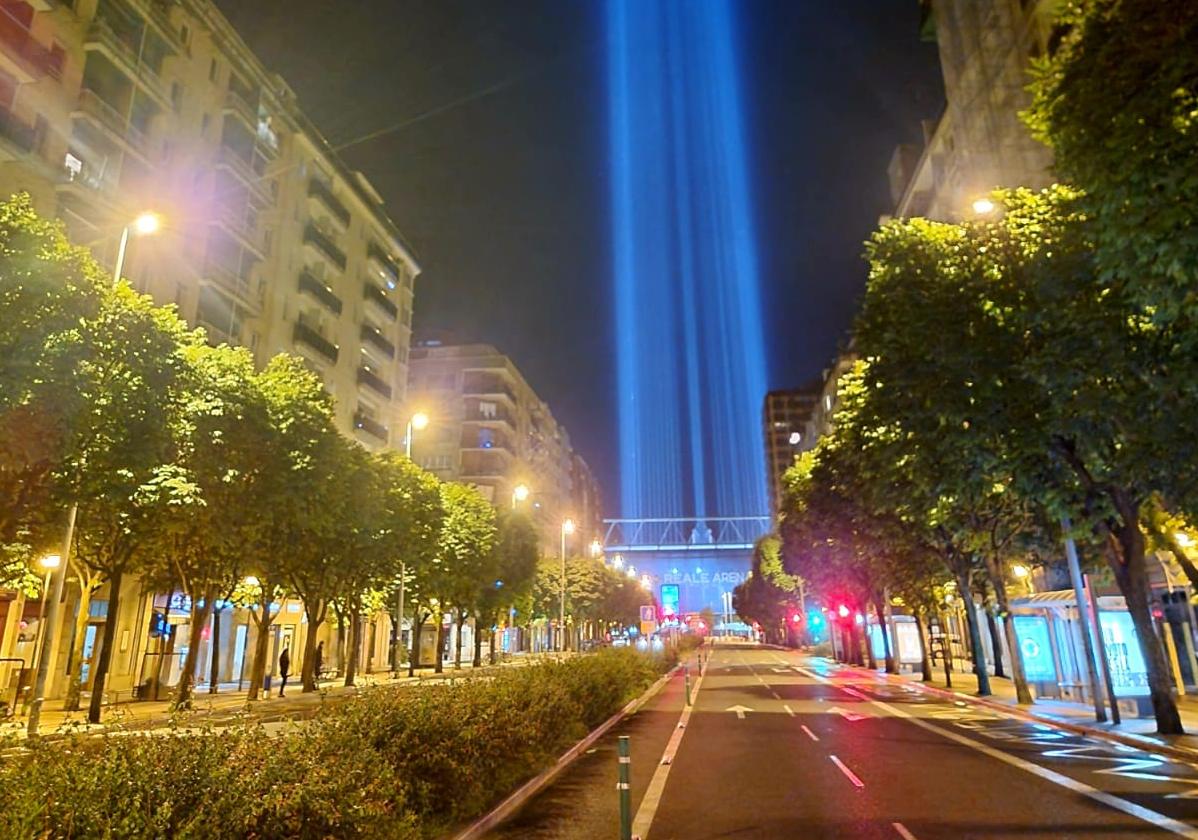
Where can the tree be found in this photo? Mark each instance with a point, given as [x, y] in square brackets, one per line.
[47, 287]
[516, 553]
[120, 445]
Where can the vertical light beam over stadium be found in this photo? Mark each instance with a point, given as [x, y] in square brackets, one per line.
[691, 361]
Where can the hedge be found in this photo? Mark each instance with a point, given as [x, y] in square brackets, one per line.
[388, 763]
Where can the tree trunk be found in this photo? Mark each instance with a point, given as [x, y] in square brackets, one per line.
[478, 644]
[884, 627]
[417, 628]
[214, 673]
[439, 656]
[992, 628]
[1023, 693]
[871, 660]
[355, 643]
[1126, 558]
[261, 648]
[315, 618]
[460, 620]
[75, 687]
[105, 658]
[925, 657]
[975, 636]
[195, 633]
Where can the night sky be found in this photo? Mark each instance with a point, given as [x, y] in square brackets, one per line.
[485, 127]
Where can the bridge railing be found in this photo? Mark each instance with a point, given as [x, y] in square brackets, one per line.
[710, 533]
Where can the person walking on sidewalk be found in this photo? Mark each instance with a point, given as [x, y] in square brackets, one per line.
[317, 661]
[284, 668]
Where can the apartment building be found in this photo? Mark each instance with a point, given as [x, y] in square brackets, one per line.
[784, 418]
[488, 427]
[979, 142]
[109, 108]
[112, 107]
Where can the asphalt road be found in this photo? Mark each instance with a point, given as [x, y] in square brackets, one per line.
[780, 745]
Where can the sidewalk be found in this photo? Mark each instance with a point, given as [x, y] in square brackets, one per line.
[1139, 732]
[230, 706]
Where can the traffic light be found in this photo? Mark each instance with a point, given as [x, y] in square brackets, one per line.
[795, 618]
[817, 620]
[842, 611]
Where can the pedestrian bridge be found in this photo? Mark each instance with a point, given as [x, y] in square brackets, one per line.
[700, 561]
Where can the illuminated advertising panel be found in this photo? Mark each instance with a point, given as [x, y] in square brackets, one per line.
[1129, 676]
[669, 599]
[1036, 647]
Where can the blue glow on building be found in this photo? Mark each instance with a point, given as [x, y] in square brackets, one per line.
[691, 360]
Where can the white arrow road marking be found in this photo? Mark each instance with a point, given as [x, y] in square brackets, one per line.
[852, 717]
[740, 711]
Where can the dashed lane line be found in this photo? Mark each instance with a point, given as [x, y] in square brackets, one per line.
[1130, 808]
[852, 777]
[902, 831]
[810, 734]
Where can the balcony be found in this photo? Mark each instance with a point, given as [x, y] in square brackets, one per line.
[319, 190]
[112, 122]
[378, 297]
[375, 252]
[500, 415]
[30, 59]
[487, 386]
[304, 334]
[315, 287]
[236, 103]
[373, 381]
[228, 158]
[16, 132]
[372, 427]
[123, 53]
[324, 243]
[375, 338]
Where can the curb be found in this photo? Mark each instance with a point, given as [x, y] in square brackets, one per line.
[1127, 739]
[539, 782]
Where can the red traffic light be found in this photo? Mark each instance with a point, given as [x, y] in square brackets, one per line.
[842, 611]
[796, 618]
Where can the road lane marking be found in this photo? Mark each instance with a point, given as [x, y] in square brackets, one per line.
[657, 784]
[852, 777]
[740, 711]
[1129, 808]
[810, 734]
[789, 710]
[851, 717]
[902, 831]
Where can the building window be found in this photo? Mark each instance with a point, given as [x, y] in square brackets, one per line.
[185, 34]
[176, 95]
[486, 438]
[487, 410]
[213, 71]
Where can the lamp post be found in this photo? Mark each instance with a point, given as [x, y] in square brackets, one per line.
[145, 224]
[59, 575]
[567, 529]
[50, 562]
[418, 421]
[519, 494]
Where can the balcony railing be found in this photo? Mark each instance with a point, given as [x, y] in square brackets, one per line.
[325, 244]
[375, 252]
[91, 104]
[372, 336]
[376, 296]
[15, 131]
[487, 387]
[320, 190]
[310, 283]
[238, 104]
[126, 53]
[372, 380]
[370, 426]
[19, 42]
[306, 335]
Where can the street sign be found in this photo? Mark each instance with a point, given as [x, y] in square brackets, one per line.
[648, 613]
[648, 628]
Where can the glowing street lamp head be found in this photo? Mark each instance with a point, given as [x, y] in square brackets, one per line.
[250, 580]
[596, 548]
[632, 571]
[983, 206]
[520, 492]
[419, 420]
[1020, 571]
[50, 561]
[567, 526]
[147, 223]
[645, 581]
[618, 562]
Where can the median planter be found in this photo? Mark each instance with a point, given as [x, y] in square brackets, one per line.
[397, 763]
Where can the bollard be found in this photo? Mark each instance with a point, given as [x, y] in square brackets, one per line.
[686, 677]
[625, 789]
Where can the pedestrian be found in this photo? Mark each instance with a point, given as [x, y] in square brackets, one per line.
[284, 668]
[318, 660]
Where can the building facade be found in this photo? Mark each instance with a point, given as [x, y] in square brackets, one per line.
[784, 417]
[979, 142]
[110, 108]
[488, 427]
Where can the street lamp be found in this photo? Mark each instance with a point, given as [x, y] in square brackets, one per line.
[50, 562]
[596, 548]
[632, 571]
[146, 224]
[519, 494]
[983, 206]
[419, 421]
[567, 529]
[618, 562]
[1025, 575]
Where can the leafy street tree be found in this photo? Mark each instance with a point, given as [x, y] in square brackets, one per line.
[121, 444]
[516, 553]
[768, 592]
[47, 288]
[465, 556]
